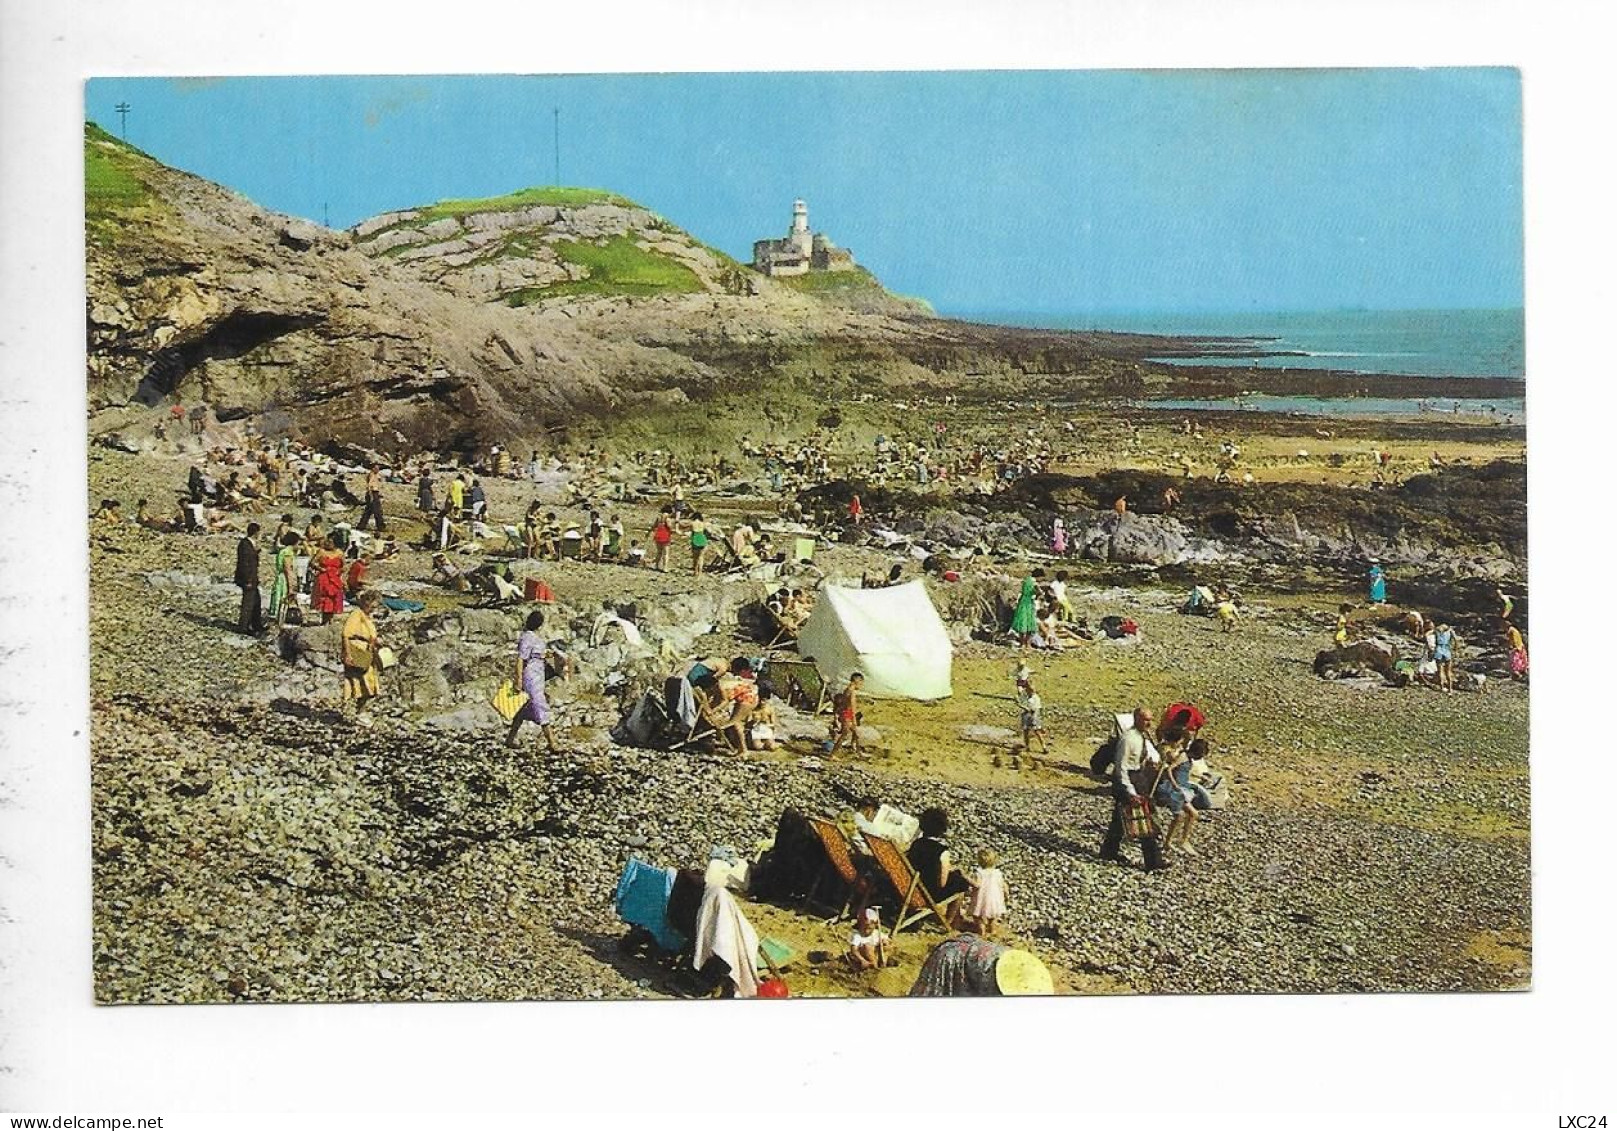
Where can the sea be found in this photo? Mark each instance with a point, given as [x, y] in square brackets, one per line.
[1421, 343]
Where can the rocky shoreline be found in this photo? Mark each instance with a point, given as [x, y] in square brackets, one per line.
[251, 843]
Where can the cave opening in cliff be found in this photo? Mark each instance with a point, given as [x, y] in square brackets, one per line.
[235, 335]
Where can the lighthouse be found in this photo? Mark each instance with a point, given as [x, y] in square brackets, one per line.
[799, 235]
[801, 251]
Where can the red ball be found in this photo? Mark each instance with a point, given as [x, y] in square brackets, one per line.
[774, 987]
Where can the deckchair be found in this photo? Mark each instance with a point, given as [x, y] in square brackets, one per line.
[798, 683]
[721, 556]
[783, 633]
[838, 852]
[913, 893]
[699, 728]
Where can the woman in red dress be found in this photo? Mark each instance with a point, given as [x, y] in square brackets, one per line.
[328, 580]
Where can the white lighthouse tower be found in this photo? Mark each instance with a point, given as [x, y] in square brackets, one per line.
[799, 235]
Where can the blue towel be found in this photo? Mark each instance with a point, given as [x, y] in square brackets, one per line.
[642, 901]
[402, 605]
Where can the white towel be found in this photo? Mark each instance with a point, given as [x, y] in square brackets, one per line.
[631, 634]
[721, 929]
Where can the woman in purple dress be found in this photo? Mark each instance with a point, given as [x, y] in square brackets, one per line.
[531, 651]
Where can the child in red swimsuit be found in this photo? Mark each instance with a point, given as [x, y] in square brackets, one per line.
[845, 731]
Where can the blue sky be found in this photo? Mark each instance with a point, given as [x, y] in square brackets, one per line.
[1033, 192]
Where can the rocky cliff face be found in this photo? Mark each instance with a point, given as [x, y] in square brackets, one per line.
[196, 291]
[465, 323]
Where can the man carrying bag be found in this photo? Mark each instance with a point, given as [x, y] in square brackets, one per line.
[1134, 770]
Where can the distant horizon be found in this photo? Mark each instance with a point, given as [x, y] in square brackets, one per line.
[1221, 312]
[1014, 191]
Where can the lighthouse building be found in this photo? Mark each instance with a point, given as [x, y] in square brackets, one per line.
[801, 251]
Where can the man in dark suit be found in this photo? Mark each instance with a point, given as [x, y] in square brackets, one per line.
[251, 621]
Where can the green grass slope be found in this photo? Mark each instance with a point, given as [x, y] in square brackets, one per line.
[617, 265]
[856, 288]
[116, 186]
[558, 196]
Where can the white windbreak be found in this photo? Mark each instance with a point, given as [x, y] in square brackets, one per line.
[893, 635]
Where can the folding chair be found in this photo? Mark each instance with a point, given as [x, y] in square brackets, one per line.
[798, 683]
[839, 853]
[783, 634]
[907, 882]
[699, 728]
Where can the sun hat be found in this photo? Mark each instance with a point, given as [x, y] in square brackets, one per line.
[1020, 974]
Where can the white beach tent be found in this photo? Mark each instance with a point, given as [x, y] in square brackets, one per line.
[893, 635]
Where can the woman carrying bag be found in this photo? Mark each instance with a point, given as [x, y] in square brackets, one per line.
[361, 656]
[531, 705]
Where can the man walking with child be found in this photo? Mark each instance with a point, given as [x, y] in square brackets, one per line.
[1134, 768]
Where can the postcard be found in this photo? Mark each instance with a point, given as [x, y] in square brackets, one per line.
[851, 535]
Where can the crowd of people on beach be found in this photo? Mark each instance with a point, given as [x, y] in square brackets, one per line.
[317, 570]
[327, 568]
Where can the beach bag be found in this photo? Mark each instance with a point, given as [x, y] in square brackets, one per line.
[1146, 779]
[356, 653]
[508, 700]
[386, 658]
[1137, 822]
